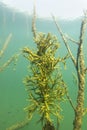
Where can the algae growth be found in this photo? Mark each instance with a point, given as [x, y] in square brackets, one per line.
[44, 83]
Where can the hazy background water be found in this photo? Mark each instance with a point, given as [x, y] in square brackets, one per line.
[12, 90]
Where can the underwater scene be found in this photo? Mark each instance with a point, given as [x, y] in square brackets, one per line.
[43, 72]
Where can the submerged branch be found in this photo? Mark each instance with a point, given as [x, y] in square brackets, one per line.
[5, 45]
[13, 58]
[70, 101]
[34, 20]
[65, 41]
[80, 67]
[80, 57]
[72, 40]
[19, 125]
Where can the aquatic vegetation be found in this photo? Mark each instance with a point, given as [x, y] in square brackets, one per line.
[81, 71]
[44, 83]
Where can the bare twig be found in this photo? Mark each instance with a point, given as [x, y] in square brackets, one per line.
[5, 44]
[68, 97]
[34, 20]
[19, 125]
[72, 40]
[70, 101]
[65, 41]
[13, 58]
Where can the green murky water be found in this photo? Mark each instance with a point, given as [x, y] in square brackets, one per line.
[12, 90]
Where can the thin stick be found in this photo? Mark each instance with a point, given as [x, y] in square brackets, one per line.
[18, 125]
[34, 20]
[5, 44]
[65, 41]
[13, 58]
[72, 40]
[70, 101]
